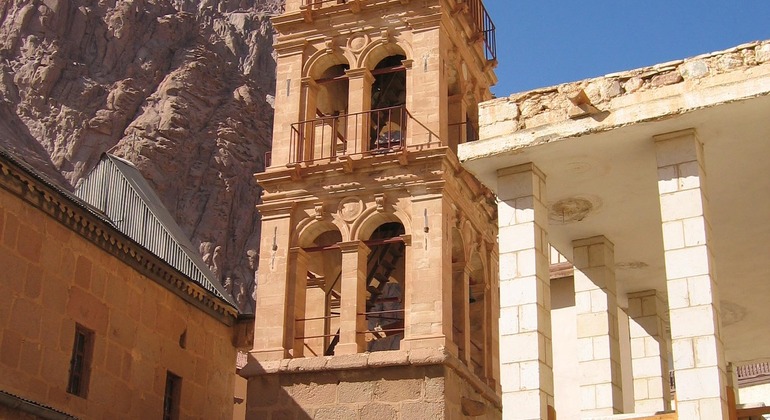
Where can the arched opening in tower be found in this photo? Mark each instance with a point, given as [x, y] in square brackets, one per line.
[385, 286]
[388, 117]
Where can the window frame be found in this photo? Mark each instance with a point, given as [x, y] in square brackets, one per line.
[80, 361]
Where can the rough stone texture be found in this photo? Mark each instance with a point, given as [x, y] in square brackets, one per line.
[398, 392]
[181, 88]
[550, 105]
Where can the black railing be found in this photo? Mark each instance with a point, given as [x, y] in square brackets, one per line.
[463, 132]
[374, 132]
[484, 26]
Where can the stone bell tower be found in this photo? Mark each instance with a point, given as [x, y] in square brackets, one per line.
[378, 277]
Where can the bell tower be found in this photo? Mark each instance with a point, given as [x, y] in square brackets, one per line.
[377, 290]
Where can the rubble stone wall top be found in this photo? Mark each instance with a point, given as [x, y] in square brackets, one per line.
[549, 105]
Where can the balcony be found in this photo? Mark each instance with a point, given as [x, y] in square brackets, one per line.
[376, 132]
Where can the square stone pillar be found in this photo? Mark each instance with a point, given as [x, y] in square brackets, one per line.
[693, 301]
[297, 298]
[273, 321]
[428, 317]
[649, 351]
[288, 99]
[304, 145]
[526, 359]
[359, 100]
[596, 305]
[353, 298]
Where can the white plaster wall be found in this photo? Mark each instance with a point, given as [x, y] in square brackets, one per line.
[566, 379]
[755, 394]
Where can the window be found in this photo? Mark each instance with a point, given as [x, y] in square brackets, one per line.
[171, 397]
[80, 364]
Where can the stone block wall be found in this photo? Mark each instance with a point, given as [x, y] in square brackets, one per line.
[311, 388]
[51, 279]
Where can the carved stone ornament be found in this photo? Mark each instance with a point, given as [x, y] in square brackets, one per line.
[319, 211]
[350, 208]
[379, 199]
[358, 41]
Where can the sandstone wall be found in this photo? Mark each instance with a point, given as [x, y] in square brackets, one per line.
[51, 278]
[181, 88]
[417, 384]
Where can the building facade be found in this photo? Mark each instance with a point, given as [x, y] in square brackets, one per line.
[651, 183]
[93, 325]
[378, 270]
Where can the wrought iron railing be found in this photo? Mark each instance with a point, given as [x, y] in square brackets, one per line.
[374, 132]
[463, 132]
[484, 26]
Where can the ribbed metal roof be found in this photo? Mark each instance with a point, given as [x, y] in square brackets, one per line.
[117, 188]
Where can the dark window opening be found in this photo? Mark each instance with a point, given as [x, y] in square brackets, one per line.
[80, 363]
[171, 397]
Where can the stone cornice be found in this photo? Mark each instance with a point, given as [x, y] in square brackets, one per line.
[88, 223]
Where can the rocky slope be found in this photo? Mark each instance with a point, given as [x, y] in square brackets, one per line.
[181, 88]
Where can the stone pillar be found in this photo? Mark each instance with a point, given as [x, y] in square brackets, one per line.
[693, 301]
[273, 330]
[359, 100]
[353, 298]
[296, 299]
[596, 306]
[288, 98]
[428, 318]
[526, 365]
[649, 351]
[304, 146]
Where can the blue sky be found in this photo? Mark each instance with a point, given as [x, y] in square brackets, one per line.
[546, 42]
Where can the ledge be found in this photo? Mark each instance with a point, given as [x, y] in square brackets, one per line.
[415, 357]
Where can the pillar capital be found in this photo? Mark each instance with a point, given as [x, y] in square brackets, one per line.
[360, 73]
[353, 246]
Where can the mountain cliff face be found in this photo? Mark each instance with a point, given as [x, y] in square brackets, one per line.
[181, 88]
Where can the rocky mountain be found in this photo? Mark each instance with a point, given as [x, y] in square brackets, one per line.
[181, 88]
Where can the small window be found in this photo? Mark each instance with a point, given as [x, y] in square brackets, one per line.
[171, 397]
[80, 364]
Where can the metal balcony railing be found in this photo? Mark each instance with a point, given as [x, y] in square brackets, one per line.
[484, 26]
[464, 132]
[374, 132]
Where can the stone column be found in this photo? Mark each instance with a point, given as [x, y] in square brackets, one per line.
[288, 98]
[303, 143]
[359, 100]
[272, 312]
[526, 360]
[596, 306]
[428, 318]
[296, 300]
[649, 351]
[353, 298]
[693, 301]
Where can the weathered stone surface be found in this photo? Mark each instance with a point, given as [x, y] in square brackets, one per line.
[179, 88]
[378, 411]
[335, 413]
[549, 105]
[762, 53]
[694, 69]
[668, 78]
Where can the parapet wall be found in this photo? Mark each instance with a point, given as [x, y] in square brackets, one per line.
[575, 100]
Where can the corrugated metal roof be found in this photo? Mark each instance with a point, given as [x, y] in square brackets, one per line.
[117, 188]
